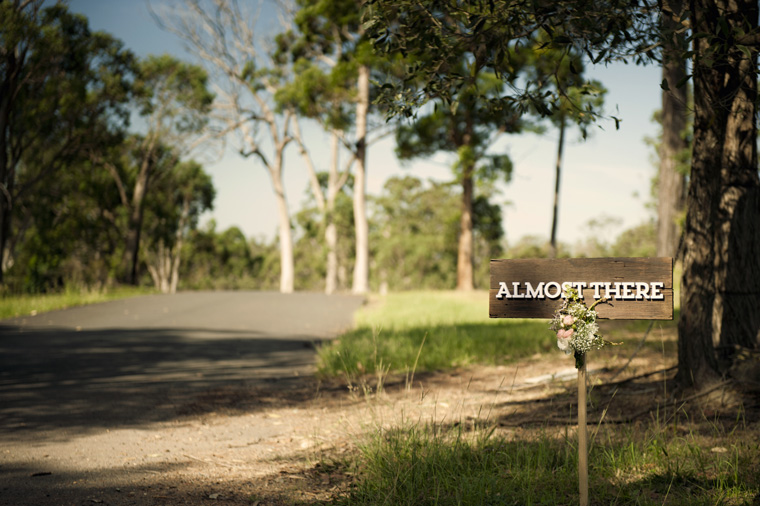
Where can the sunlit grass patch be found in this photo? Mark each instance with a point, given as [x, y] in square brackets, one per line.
[419, 308]
[12, 306]
[426, 331]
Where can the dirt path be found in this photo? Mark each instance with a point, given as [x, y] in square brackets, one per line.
[247, 444]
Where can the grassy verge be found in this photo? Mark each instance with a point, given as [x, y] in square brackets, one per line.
[429, 330]
[22, 305]
[434, 465]
[677, 461]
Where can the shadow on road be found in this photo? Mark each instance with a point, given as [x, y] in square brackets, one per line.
[157, 358]
[56, 378]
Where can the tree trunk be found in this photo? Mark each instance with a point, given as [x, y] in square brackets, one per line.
[331, 230]
[361, 267]
[721, 229]
[164, 259]
[671, 195]
[287, 266]
[13, 64]
[6, 206]
[155, 275]
[736, 311]
[331, 240]
[557, 173]
[464, 250]
[178, 243]
[132, 250]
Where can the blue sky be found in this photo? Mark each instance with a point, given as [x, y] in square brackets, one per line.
[607, 175]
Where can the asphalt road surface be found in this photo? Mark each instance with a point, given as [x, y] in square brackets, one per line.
[135, 361]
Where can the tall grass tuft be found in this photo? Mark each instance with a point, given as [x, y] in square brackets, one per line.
[446, 465]
[432, 464]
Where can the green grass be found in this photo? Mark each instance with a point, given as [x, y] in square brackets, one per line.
[424, 331]
[658, 462]
[24, 305]
[445, 465]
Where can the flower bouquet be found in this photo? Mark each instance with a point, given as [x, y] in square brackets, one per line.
[576, 327]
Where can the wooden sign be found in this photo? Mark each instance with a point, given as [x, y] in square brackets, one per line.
[637, 288]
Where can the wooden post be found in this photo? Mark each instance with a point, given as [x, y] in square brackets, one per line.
[582, 435]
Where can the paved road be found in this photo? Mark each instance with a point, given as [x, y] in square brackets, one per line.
[141, 360]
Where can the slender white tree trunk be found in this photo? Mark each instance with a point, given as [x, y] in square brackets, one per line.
[557, 174]
[331, 230]
[361, 267]
[287, 267]
[331, 239]
[166, 265]
[178, 242]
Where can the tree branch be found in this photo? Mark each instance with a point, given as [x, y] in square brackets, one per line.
[313, 179]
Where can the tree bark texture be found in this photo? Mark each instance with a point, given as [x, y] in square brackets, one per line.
[720, 299]
[361, 266]
[737, 298]
[671, 195]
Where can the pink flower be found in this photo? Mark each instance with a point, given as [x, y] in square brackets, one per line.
[563, 339]
[568, 320]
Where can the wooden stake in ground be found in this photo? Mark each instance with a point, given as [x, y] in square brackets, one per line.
[582, 435]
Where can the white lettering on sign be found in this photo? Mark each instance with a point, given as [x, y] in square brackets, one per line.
[629, 290]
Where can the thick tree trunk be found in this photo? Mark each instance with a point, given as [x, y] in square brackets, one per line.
[720, 300]
[464, 250]
[557, 174]
[361, 225]
[736, 312]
